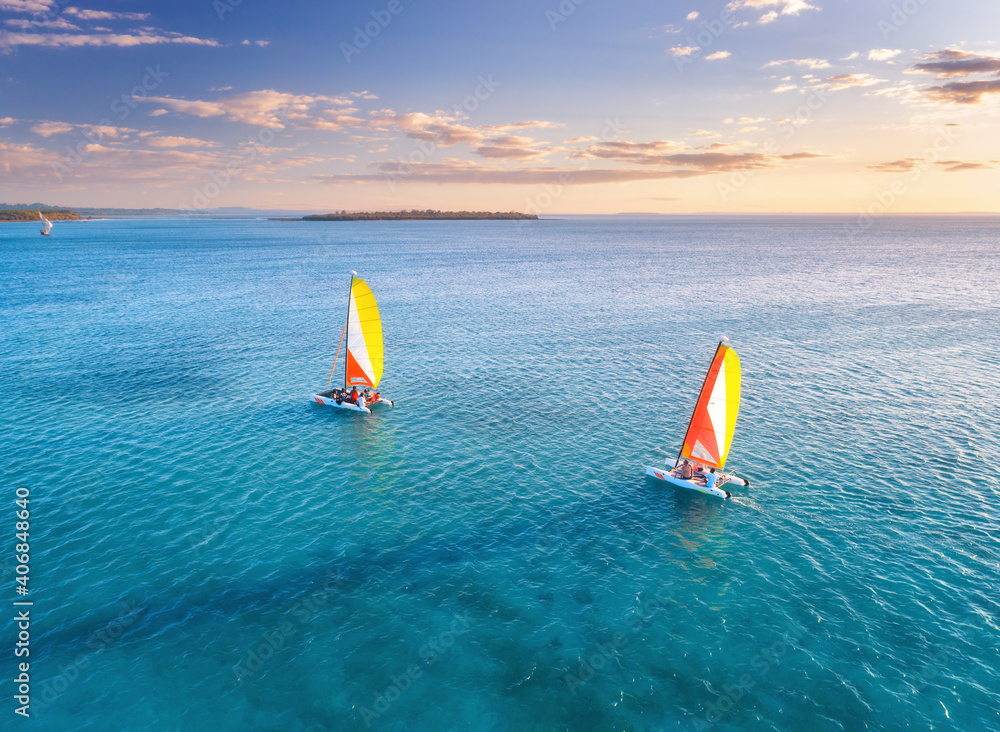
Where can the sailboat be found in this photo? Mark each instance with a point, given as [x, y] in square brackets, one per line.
[712, 426]
[363, 367]
[46, 224]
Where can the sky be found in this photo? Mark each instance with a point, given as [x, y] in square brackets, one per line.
[539, 106]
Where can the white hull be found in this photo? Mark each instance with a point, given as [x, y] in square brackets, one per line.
[664, 475]
[328, 401]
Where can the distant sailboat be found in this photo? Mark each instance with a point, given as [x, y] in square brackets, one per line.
[712, 427]
[363, 367]
[46, 224]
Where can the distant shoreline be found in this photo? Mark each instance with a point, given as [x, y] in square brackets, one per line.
[427, 215]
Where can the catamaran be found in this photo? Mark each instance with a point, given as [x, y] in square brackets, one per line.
[363, 364]
[711, 429]
[46, 224]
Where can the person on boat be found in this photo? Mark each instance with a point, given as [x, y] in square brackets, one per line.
[711, 478]
[686, 471]
[361, 400]
[338, 396]
[354, 395]
[699, 474]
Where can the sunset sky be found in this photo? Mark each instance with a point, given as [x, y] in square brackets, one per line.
[545, 106]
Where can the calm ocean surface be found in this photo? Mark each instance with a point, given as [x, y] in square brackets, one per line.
[211, 551]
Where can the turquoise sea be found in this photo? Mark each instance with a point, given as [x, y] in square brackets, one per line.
[211, 551]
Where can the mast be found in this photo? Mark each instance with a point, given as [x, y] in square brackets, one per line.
[347, 327]
[722, 341]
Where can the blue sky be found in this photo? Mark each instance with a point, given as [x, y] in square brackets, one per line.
[547, 106]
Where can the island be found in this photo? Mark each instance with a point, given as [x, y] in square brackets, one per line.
[20, 214]
[429, 214]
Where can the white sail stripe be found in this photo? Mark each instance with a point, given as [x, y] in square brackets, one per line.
[356, 345]
[717, 408]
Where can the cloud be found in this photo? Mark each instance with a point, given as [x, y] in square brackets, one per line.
[809, 63]
[693, 15]
[266, 108]
[664, 153]
[775, 7]
[849, 81]
[681, 51]
[48, 129]
[169, 141]
[751, 120]
[57, 24]
[883, 54]
[704, 133]
[8, 121]
[951, 63]
[851, 56]
[897, 166]
[963, 92]
[466, 173]
[27, 6]
[783, 88]
[907, 165]
[123, 40]
[958, 166]
[512, 147]
[718, 56]
[104, 15]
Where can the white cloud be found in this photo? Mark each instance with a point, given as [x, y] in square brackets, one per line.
[682, 50]
[851, 56]
[104, 15]
[170, 141]
[718, 56]
[809, 63]
[57, 24]
[693, 15]
[883, 54]
[784, 88]
[768, 18]
[122, 40]
[27, 6]
[849, 81]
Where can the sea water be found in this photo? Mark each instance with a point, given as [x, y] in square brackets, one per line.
[209, 550]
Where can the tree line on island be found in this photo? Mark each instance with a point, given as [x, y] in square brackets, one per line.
[20, 214]
[415, 214]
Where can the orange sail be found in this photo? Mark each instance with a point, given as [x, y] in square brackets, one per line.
[714, 421]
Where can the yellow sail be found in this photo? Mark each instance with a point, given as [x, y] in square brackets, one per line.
[364, 337]
[714, 422]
